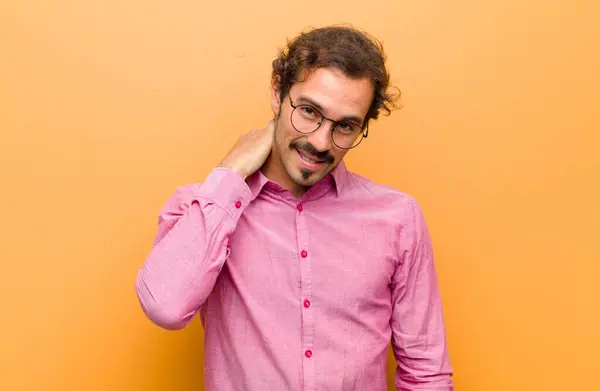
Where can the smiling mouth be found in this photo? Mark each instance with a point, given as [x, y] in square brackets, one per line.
[310, 161]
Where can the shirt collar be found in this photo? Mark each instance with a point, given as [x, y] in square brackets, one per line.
[338, 177]
[256, 182]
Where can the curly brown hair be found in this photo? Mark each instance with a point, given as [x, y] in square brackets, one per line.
[356, 53]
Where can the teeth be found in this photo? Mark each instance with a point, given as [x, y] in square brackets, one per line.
[308, 158]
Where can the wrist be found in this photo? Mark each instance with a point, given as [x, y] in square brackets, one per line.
[235, 168]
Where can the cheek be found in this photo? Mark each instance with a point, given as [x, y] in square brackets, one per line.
[287, 136]
[338, 154]
[282, 141]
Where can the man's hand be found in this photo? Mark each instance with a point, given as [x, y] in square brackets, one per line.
[250, 151]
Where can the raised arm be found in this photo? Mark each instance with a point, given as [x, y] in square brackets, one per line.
[190, 248]
[191, 245]
[418, 332]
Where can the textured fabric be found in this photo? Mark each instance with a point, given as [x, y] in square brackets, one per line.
[300, 294]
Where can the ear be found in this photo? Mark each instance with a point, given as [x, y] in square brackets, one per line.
[275, 96]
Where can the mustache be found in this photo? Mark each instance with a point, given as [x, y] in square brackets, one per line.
[310, 150]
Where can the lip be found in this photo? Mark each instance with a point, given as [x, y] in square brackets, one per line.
[312, 165]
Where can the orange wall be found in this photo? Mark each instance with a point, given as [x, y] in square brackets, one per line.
[106, 106]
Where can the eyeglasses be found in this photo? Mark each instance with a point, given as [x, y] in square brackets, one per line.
[307, 119]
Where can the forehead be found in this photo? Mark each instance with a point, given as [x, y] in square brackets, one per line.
[337, 94]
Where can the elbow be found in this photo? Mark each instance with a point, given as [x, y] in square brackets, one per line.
[164, 318]
[166, 315]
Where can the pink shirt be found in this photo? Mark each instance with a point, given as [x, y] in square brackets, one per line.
[300, 294]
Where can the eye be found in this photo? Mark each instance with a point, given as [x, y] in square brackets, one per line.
[308, 112]
[345, 127]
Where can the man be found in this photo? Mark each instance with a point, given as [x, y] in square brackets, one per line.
[303, 272]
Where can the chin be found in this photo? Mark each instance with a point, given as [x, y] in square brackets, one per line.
[306, 182]
[305, 177]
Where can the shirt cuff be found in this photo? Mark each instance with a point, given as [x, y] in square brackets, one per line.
[227, 189]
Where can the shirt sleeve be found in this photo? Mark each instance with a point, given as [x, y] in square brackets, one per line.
[190, 248]
[418, 332]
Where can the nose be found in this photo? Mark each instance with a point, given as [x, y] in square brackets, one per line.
[321, 138]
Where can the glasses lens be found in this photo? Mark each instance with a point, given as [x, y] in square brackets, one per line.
[347, 136]
[305, 119]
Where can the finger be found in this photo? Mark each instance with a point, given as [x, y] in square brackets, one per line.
[271, 126]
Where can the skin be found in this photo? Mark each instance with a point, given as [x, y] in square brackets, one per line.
[278, 149]
[338, 97]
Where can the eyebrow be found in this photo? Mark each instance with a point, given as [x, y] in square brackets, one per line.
[347, 118]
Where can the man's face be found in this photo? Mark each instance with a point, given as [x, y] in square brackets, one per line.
[307, 158]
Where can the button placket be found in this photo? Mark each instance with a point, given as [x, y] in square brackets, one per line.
[307, 327]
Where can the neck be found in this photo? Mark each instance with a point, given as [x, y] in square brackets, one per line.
[274, 170]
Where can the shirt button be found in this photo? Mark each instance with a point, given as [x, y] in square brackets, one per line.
[299, 207]
[303, 254]
[308, 353]
[238, 204]
[306, 303]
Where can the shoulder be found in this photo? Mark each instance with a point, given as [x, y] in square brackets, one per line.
[386, 206]
[381, 195]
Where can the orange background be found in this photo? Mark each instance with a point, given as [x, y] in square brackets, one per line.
[107, 106]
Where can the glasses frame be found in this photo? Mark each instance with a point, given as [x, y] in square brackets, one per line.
[364, 128]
